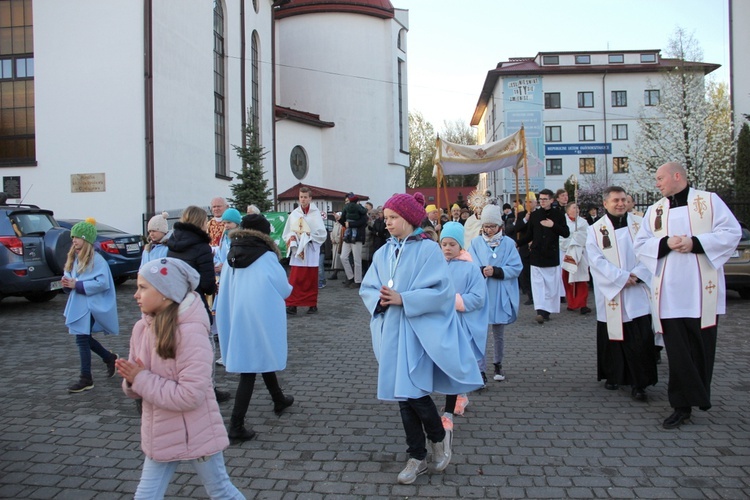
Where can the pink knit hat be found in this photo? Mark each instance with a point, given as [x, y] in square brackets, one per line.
[407, 207]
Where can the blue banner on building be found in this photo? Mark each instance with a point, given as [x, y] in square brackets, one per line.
[601, 148]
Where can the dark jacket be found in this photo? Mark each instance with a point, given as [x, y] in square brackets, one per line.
[518, 231]
[248, 246]
[192, 245]
[356, 215]
[545, 241]
[379, 234]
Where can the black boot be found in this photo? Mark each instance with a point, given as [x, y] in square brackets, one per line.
[280, 401]
[237, 430]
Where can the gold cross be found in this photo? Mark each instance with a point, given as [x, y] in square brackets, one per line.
[710, 287]
[613, 304]
[636, 226]
[699, 205]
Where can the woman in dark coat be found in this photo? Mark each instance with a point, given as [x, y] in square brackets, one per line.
[190, 243]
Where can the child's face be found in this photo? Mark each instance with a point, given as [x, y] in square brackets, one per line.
[148, 298]
[78, 243]
[450, 247]
[490, 230]
[154, 235]
[228, 225]
[397, 225]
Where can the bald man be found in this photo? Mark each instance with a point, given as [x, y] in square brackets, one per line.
[684, 240]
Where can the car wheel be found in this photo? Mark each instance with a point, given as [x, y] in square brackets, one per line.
[56, 245]
[41, 296]
[745, 293]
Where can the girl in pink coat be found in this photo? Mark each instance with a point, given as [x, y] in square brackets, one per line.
[170, 369]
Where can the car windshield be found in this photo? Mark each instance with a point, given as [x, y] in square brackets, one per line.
[32, 223]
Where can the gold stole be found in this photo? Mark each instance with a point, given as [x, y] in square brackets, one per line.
[701, 216]
[611, 252]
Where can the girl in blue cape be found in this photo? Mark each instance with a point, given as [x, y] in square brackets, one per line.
[92, 302]
[251, 317]
[158, 234]
[415, 333]
[501, 265]
[471, 306]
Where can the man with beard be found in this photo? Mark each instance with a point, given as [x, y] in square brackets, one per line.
[625, 348]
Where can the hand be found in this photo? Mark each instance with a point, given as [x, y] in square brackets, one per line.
[218, 268]
[682, 244]
[547, 223]
[632, 280]
[390, 297]
[569, 259]
[68, 282]
[488, 271]
[128, 370]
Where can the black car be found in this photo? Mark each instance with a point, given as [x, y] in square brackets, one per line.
[122, 251]
[33, 250]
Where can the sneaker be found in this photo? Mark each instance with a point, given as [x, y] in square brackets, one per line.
[220, 361]
[499, 373]
[83, 384]
[111, 369]
[441, 452]
[321, 285]
[461, 403]
[447, 422]
[413, 469]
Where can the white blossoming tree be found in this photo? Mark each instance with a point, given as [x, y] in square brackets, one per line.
[691, 124]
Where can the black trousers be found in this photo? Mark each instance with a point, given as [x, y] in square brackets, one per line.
[631, 361]
[245, 392]
[420, 416]
[691, 352]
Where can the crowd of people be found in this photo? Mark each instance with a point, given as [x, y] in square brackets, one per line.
[435, 287]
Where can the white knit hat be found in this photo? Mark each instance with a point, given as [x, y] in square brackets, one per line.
[492, 214]
[159, 223]
[172, 277]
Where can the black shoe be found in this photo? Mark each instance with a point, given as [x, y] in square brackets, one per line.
[240, 433]
[347, 282]
[83, 384]
[585, 310]
[334, 277]
[638, 394]
[354, 285]
[611, 387]
[563, 300]
[291, 310]
[484, 381]
[222, 396]
[111, 366]
[676, 419]
[529, 302]
[282, 404]
[539, 319]
[313, 310]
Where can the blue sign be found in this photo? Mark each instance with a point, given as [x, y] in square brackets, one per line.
[600, 148]
[531, 121]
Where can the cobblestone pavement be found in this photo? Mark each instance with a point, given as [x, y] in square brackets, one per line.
[549, 431]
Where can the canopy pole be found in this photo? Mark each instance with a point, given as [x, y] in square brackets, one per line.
[525, 158]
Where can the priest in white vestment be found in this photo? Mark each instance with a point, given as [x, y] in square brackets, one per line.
[685, 239]
[625, 349]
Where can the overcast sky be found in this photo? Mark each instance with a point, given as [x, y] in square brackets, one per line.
[453, 44]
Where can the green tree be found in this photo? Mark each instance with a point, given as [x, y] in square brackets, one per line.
[421, 152]
[691, 124]
[251, 187]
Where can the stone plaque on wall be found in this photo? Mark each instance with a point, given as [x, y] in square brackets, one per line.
[12, 186]
[87, 183]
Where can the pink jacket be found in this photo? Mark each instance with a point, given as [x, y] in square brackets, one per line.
[181, 418]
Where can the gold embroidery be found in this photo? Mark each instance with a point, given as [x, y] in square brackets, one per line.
[613, 304]
[710, 287]
[481, 153]
[700, 206]
[636, 226]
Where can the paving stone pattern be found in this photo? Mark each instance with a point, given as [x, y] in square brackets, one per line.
[549, 431]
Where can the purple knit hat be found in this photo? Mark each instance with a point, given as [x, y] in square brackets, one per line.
[407, 207]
